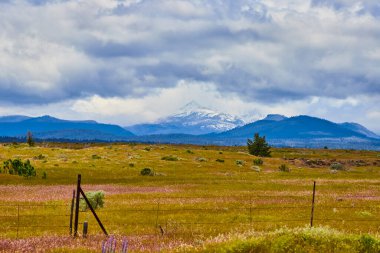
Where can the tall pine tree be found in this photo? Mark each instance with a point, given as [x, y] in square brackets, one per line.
[29, 139]
[258, 146]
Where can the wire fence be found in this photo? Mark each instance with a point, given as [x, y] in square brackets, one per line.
[205, 215]
[20, 220]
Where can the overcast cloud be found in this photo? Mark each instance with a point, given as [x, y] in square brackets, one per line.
[320, 58]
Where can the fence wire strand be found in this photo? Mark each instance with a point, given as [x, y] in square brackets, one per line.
[247, 208]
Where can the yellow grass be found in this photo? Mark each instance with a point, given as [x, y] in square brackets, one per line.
[190, 199]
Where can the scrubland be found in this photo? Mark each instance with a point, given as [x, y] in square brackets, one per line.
[197, 198]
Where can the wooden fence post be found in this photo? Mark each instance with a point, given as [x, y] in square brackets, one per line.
[78, 193]
[312, 207]
[85, 229]
[77, 206]
[157, 211]
[72, 213]
[18, 219]
[250, 210]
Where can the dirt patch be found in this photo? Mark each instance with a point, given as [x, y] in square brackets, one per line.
[44, 193]
[320, 163]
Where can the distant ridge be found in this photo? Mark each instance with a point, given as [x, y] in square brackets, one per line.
[304, 127]
[360, 129]
[13, 118]
[50, 127]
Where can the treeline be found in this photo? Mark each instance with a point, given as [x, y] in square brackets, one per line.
[7, 139]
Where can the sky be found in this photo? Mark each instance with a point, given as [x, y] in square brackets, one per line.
[135, 61]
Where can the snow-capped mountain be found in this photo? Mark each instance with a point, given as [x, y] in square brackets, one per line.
[191, 119]
[193, 114]
[275, 117]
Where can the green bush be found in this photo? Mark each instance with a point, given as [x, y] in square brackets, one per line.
[368, 244]
[44, 175]
[18, 167]
[170, 158]
[284, 168]
[147, 172]
[220, 160]
[96, 199]
[96, 157]
[39, 157]
[258, 162]
[189, 151]
[256, 168]
[337, 166]
[131, 165]
[239, 162]
[319, 239]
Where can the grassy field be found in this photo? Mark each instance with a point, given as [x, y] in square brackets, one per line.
[196, 195]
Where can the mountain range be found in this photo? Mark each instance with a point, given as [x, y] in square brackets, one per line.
[281, 131]
[195, 124]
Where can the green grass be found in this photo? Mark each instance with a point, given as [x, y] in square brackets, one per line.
[192, 195]
[300, 240]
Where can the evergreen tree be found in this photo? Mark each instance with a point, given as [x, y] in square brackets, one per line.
[29, 139]
[258, 146]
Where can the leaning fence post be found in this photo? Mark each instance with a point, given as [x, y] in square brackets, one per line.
[312, 207]
[77, 207]
[93, 211]
[71, 213]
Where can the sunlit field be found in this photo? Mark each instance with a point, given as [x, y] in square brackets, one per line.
[197, 195]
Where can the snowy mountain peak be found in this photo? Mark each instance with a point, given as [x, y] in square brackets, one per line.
[192, 106]
[192, 118]
[275, 117]
[193, 114]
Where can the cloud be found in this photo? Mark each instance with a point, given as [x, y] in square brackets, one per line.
[355, 7]
[71, 49]
[150, 108]
[270, 52]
